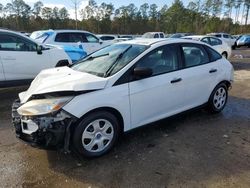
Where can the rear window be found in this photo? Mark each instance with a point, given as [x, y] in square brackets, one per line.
[213, 55]
[215, 41]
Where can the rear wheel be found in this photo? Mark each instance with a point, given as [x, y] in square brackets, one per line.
[218, 99]
[96, 134]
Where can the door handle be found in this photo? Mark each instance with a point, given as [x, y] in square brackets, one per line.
[213, 70]
[176, 80]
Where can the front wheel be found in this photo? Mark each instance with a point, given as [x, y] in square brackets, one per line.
[96, 134]
[218, 99]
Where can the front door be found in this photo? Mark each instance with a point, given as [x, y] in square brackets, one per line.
[160, 95]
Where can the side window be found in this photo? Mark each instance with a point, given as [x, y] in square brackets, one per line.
[23, 45]
[194, 55]
[206, 40]
[161, 35]
[91, 38]
[62, 37]
[7, 43]
[215, 41]
[12, 43]
[218, 35]
[156, 36]
[77, 37]
[213, 55]
[226, 36]
[107, 38]
[161, 60]
[70, 37]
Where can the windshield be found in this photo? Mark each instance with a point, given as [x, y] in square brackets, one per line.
[42, 38]
[36, 34]
[109, 60]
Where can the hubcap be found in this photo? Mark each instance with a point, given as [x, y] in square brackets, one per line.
[220, 97]
[97, 135]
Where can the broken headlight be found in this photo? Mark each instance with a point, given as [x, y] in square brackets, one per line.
[42, 106]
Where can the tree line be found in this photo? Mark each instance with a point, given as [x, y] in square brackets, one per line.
[199, 16]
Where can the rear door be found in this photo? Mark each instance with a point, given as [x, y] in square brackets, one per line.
[198, 75]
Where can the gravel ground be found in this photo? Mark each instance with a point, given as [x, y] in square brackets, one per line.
[191, 150]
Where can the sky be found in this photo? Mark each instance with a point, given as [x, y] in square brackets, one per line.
[117, 3]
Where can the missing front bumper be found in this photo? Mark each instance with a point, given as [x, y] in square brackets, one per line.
[52, 131]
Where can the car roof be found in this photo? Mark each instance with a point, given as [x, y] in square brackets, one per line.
[195, 36]
[199, 36]
[218, 33]
[69, 30]
[17, 33]
[153, 32]
[159, 41]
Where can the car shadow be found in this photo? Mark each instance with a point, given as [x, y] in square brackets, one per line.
[193, 147]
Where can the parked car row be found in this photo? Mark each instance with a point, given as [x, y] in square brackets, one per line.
[51, 48]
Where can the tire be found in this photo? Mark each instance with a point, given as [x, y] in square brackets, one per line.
[89, 136]
[218, 98]
[224, 54]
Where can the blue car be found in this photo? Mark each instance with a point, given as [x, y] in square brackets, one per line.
[75, 53]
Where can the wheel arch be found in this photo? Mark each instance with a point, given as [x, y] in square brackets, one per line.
[226, 82]
[112, 110]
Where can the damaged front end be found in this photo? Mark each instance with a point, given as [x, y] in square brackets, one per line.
[49, 131]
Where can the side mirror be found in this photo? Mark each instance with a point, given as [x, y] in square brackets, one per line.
[142, 72]
[39, 49]
[100, 41]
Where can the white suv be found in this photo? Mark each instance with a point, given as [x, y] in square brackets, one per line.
[119, 88]
[88, 40]
[21, 58]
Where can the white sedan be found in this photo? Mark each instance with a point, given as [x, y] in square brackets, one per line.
[222, 47]
[21, 58]
[119, 88]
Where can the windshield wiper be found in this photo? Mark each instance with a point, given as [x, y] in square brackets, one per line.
[93, 57]
[111, 68]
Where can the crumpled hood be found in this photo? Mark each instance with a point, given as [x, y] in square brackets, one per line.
[62, 79]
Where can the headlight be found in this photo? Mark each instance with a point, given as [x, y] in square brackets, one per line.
[42, 106]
